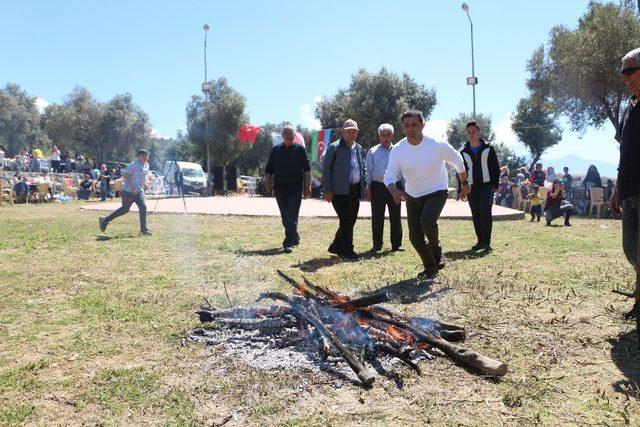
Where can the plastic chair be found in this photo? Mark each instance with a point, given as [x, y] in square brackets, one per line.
[6, 192]
[42, 190]
[542, 194]
[597, 201]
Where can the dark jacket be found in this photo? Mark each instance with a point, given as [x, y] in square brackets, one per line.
[629, 167]
[336, 168]
[482, 167]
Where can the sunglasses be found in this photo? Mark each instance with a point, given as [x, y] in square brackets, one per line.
[627, 71]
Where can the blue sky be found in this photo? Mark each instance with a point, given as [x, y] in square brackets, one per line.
[282, 55]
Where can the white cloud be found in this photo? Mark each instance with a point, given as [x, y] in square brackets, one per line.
[41, 104]
[436, 129]
[308, 115]
[156, 134]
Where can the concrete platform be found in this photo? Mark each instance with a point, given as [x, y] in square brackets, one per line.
[267, 206]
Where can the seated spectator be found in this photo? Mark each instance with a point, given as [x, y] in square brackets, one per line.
[504, 171]
[85, 188]
[608, 190]
[592, 178]
[551, 174]
[504, 196]
[21, 190]
[538, 176]
[536, 203]
[556, 205]
[567, 180]
[105, 180]
[520, 177]
[525, 172]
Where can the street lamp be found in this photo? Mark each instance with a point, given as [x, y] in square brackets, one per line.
[473, 80]
[206, 89]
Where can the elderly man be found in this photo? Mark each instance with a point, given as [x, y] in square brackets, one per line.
[626, 193]
[133, 192]
[421, 161]
[378, 194]
[287, 168]
[344, 181]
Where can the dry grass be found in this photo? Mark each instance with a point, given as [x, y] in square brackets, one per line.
[91, 329]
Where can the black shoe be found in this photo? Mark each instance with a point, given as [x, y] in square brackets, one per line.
[103, 224]
[567, 223]
[145, 233]
[548, 223]
[440, 260]
[538, 219]
[477, 247]
[296, 243]
[397, 249]
[429, 273]
[375, 249]
[532, 219]
[333, 250]
[288, 249]
[487, 248]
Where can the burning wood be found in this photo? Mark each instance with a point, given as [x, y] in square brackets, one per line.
[353, 329]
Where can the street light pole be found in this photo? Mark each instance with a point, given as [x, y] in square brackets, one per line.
[473, 80]
[206, 89]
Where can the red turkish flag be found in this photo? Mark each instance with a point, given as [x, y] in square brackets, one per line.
[248, 133]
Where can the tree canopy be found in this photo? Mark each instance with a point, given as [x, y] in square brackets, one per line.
[217, 122]
[580, 72]
[19, 120]
[373, 99]
[105, 131]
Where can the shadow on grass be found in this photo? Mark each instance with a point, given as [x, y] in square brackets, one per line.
[316, 264]
[626, 355]
[467, 254]
[105, 238]
[410, 291]
[261, 252]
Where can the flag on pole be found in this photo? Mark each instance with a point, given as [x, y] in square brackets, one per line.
[319, 141]
[248, 133]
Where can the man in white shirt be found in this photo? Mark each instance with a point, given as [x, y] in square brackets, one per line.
[421, 162]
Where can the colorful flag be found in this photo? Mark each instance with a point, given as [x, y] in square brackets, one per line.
[248, 133]
[320, 139]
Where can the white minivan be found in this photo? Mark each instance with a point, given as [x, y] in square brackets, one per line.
[194, 178]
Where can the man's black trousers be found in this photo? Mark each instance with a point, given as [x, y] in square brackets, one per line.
[289, 198]
[381, 198]
[481, 202]
[346, 206]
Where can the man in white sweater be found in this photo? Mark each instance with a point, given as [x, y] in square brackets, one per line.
[421, 161]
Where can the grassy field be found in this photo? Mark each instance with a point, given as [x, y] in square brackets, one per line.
[92, 327]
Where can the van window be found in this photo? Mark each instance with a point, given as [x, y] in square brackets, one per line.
[192, 173]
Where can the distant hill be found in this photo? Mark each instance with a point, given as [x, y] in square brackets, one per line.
[578, 165]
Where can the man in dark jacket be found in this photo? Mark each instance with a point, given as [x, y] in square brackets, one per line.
[287, 174]
[627, 189]
[344, 181]
[481, 164]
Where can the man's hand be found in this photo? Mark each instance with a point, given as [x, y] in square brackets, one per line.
[614, 202]
[465, 189]
[307, 192]
[367, 194]
[268, 187]
[398, 197]
[328, 196]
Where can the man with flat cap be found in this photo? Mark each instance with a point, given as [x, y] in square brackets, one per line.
[344, 181]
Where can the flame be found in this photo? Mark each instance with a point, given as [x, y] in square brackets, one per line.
[400, 335]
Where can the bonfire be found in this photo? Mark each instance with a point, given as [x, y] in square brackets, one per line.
[356, 330]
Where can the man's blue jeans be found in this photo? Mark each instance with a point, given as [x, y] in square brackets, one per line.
[127, 200]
